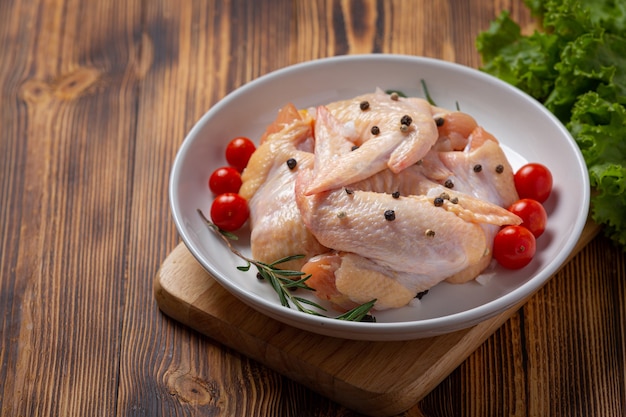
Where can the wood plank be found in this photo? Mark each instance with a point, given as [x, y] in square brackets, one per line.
[68, 110]
[189, 55]
[438, 29]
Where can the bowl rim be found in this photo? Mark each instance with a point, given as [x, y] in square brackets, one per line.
[405, 329]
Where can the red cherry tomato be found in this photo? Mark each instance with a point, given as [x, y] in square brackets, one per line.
[514, 247]
[533, 181]
[229, 211]
[534, 216]
[239, 151]
[225, 180]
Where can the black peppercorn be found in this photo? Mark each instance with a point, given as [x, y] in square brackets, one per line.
[395, 194]
[438, 202]
[390, 215]
[375, 130]
[291, 163]
[500, 169]
[420, 294]
[364, 105]
[406, 120]
[439, 121]
[449, 183]
[368, 318]
[478, 168]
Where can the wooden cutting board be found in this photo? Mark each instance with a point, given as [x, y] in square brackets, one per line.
[373, 378]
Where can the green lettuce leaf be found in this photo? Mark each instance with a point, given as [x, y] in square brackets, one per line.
[594, 61]
[599, 127]
[610, 14]
[527, 62]
[576, 66]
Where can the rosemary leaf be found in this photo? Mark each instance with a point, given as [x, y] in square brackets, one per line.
[289, 274]
[358, 313]
[309, 302]
[229, 235]
[427, 94]
[282, 295]
[301, 283]
[286, 259]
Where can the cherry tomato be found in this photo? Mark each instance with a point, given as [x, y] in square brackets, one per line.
[239, 151]
[534, 216]
[533, 181]
[229, 211]
[514, 247]
[225, 180]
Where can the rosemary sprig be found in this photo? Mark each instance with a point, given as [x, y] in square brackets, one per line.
[285, 281]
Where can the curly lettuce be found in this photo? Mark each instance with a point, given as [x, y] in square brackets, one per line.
[576, 66]
[599, 127]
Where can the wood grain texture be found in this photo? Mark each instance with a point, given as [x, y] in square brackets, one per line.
[373, 378]
[561, 354]
[68, 111]
[95, 99]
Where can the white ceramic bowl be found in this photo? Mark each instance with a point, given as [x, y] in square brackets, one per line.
[527, 131]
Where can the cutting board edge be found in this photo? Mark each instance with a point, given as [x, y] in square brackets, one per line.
[371, 403]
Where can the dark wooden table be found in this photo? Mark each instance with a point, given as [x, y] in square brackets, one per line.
[95, 99]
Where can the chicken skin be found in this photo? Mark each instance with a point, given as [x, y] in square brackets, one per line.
[384, 200]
